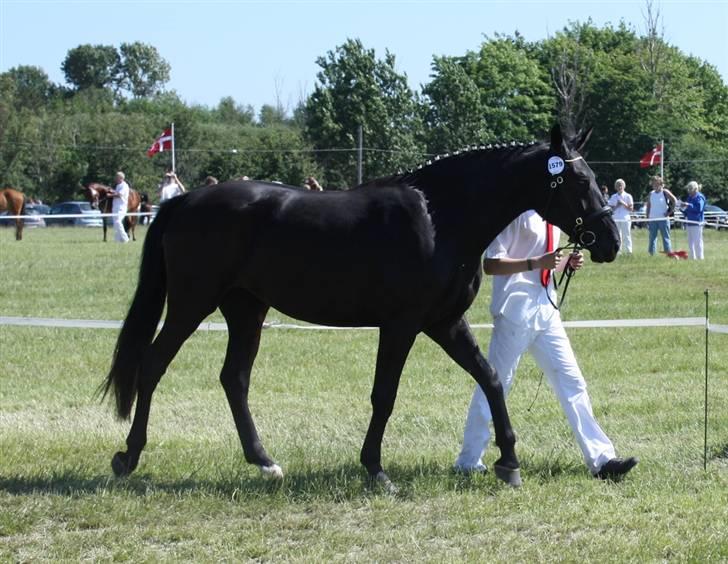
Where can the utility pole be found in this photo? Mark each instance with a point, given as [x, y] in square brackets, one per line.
[359, 155]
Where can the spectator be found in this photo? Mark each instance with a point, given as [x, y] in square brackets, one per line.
[525, 320]
[170, 187]
[605, 192]
[312, 184]
[210, 181]
[120, 195]
[622, 204]
[694, 208]
[660, 202]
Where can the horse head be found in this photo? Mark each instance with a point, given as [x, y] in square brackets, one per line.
[573, 200]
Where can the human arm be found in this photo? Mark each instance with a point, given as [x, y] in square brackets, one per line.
[505, 265]
[179, 183]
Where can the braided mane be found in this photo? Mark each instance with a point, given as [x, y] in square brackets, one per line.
[453, 162]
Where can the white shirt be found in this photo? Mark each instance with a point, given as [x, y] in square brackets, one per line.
[121, 203]
[170, 191]
[658, 204]
[520, 297]
[621, 212]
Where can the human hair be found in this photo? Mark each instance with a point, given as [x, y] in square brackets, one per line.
[121, 175]
[693, 186]
[210, 181]
[619, 182]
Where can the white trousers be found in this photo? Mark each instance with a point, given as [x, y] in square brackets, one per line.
[553, 353]
[625, 235]
[695, 241]
[119, 233]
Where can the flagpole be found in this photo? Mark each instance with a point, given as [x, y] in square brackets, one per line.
[662, 155]
[174, 169]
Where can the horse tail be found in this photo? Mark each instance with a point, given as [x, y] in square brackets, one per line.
[141, 322]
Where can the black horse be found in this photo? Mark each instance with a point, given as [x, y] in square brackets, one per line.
[400, 253]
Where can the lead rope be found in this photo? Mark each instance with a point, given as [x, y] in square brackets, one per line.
[568, 272]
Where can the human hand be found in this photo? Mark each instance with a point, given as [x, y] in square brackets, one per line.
[549, 261]
[576, 260]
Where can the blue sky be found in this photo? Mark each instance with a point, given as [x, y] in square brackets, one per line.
[262, 52]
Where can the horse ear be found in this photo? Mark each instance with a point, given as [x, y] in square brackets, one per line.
[557, 139]
[581, 140]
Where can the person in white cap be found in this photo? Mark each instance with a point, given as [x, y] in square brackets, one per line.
[120, 193]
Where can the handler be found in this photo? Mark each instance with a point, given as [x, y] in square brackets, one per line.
[120, 193]
[525, 320]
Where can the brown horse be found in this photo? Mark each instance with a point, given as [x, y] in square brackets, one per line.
[14, 202]
[98, 196]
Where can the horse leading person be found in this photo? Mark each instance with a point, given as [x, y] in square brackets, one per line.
[120, 194]
[521, 259]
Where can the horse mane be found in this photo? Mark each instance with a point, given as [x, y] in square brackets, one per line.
[450, 164]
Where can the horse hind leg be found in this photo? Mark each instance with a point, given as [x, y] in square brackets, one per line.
[160, 353]
[244, 315]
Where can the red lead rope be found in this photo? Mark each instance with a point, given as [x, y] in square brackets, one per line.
[545, 272]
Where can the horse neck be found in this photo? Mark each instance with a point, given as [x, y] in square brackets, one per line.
[476, 201]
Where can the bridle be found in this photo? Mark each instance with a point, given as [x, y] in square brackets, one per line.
[582, 238]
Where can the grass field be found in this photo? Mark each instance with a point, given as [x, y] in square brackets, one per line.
[193, 498]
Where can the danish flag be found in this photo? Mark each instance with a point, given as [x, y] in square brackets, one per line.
[652, 157]
[161, 143]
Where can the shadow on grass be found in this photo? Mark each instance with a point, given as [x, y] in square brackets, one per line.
[337, 484]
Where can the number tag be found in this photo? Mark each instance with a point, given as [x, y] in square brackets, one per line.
[556, 165]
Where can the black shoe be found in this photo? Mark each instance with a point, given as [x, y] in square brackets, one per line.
[616, 468]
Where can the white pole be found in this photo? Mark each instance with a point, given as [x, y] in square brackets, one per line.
[174, 169]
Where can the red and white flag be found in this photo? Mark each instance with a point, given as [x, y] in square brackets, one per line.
[651, 158]
[162, 143]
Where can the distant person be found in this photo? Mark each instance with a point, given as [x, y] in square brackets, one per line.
[605, 192]
[210, 181]
[170, 187]
[312, 184]
[660, 202]
[120, 195]
[694, 211]
[622, 204]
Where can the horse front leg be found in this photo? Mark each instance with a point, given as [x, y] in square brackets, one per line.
[395, 343]
[458, 342]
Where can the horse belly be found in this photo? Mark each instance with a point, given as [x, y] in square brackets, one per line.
[347, 289]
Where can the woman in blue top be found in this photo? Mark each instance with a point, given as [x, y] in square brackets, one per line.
[693, 209]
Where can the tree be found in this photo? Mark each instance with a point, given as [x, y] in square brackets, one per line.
[517, 100]
[228, 111]
[355, 89]
[142, 71]
[453, 113]
[91, 66]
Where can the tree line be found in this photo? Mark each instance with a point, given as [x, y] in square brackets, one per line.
[635, 90]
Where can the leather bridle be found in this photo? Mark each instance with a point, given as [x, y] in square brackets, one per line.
[582, 237]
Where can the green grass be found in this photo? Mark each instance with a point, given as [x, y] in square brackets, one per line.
[193, 498]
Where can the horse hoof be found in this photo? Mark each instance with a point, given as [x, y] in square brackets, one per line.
[121, 465]
[273, 472]
[511, 476]
[386, 483]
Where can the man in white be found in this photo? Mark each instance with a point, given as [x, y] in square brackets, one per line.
[525, 320]
[622, 204]
[171, 186]
[119, 206]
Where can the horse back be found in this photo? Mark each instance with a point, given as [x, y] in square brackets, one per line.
[347, 258]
